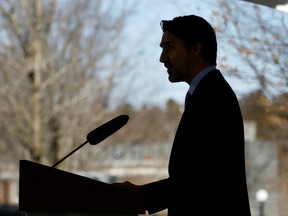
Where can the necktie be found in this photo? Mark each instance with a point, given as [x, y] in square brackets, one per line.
[187, 98]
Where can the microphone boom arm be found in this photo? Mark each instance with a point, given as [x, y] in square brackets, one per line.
[99, 134]
[80, 146]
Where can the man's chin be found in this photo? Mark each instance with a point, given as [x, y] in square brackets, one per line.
[173, 79]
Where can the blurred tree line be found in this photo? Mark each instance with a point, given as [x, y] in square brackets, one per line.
[59, 61]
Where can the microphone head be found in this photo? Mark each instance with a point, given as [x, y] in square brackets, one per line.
[100, 133]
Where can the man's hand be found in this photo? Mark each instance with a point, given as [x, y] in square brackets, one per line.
[128, 185]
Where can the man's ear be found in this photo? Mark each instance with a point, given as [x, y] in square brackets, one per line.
[196, 49]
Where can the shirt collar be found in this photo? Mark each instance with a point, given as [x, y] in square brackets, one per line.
[199, 77]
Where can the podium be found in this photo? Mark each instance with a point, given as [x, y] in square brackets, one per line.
[49, 191]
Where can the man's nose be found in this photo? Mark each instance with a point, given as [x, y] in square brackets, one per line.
[163, 57]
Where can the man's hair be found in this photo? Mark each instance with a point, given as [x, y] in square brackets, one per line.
[194, 29]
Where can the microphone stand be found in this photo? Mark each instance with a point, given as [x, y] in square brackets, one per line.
[70, 153]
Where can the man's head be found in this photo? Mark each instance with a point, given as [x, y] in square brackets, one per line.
[189, 44]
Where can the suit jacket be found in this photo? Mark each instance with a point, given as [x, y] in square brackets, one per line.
[207, 161]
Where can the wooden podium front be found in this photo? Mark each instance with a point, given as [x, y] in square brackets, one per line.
[48, 191]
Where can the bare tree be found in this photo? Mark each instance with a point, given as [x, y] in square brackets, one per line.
[55, 59]
[258, 35]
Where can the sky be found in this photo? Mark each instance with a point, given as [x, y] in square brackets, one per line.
[150, 80]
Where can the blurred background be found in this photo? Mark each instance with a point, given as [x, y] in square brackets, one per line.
[66, 67]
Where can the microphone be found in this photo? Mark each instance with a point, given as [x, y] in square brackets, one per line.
[100, 133]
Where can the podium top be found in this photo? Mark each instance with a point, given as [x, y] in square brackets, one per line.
[45, 189]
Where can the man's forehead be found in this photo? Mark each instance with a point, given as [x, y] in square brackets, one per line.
[168, 38]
